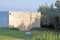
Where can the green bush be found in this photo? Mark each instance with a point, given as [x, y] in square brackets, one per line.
[35, 28]
[16, 29]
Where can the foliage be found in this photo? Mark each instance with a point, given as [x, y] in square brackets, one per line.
[35, 28]
[47, 13]
[57, 4]
[16, 29]
[50, 14]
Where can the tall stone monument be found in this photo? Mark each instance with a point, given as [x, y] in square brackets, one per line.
[24, 21]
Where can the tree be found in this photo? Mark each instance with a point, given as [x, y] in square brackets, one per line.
[47, 13]
[50, 14]
[57, 18]
[57, 4]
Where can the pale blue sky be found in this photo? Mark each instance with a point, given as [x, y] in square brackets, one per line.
[23, 5]
[19, 5]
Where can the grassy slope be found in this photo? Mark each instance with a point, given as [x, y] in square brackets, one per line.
[6, 34]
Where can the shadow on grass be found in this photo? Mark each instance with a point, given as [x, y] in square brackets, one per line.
[12, 33]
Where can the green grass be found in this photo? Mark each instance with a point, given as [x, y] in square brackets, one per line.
[8, 34]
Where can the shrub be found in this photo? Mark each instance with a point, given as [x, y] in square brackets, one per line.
[16, 29]
[35, 28]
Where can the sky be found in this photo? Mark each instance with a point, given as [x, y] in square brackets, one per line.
[23, 5]
[19, 5]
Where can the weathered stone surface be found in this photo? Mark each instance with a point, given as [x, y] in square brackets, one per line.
[24, 20]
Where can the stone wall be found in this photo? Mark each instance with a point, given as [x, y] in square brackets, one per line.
[24, 20]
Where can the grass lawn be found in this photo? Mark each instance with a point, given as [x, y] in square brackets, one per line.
[7, 34]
